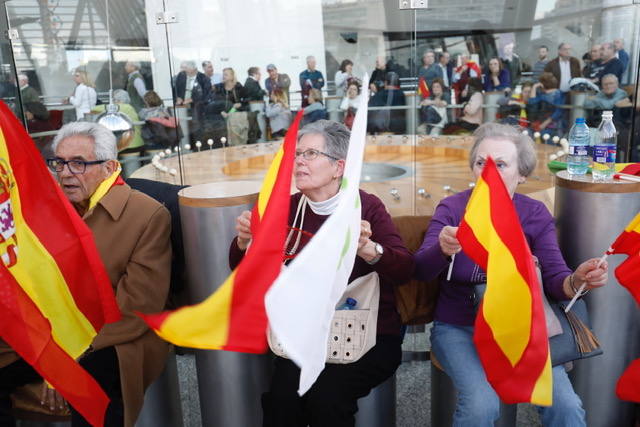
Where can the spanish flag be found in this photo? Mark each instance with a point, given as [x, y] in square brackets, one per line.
[423, 89]
[510, 329]
[628, 274]
[628, 242]
[234, 317]
[55, 294]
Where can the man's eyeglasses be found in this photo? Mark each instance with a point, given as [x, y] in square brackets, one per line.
[77, 167]
[312, 154]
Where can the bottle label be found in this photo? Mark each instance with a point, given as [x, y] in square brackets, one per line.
[578, 150]
[604, 154]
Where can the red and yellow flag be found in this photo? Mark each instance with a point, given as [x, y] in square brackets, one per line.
[628, 274]
[55, 292]
[510, 330]
[234, 317]
[628, 242]
[423, 89]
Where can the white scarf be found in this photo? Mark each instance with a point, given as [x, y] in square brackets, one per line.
[326, 207]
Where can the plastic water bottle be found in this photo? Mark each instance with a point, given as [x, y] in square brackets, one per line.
[349, 304]
[579, 139]
[604, 152]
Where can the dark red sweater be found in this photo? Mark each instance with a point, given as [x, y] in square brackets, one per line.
[394, 267]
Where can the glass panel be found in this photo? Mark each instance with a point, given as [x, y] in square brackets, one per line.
[63, 48]
[511, 37]
[8, 82]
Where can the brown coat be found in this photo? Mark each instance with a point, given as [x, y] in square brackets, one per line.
[132, 234]
[553, 67]
[132, 231]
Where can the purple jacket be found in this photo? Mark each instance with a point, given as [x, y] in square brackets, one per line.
[456, 300]
[395, 267]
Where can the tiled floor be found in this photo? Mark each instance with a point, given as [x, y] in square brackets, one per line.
[413, 392]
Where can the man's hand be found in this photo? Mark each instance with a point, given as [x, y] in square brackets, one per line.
[51, 398]
[243, 227]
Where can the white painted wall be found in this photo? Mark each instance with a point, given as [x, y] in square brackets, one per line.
[237, 34]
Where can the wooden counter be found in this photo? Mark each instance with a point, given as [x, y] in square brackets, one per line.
[433, 164]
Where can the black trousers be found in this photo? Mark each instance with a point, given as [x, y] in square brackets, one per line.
[332, 400]
[13, 376]
[103, 366]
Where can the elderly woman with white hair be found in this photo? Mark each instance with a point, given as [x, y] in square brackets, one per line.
[452, 334]
[332, 400]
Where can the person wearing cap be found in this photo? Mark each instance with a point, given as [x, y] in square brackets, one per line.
[277, 81]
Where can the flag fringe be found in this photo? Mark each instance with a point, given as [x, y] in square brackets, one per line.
[585, 339]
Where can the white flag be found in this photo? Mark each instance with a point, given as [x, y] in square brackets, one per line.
[301, 302]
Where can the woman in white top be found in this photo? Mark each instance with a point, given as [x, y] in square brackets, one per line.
[342, 77]
[84, 96]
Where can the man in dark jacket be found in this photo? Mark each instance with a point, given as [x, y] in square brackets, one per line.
[254, 92]
[387, 120]
[252, 85]
[310, 79]
[193, 89]
[565, 67]
[609, 63]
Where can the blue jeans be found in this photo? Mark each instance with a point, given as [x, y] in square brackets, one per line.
[478, 404]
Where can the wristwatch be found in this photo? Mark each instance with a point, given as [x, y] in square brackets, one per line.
[379, 251]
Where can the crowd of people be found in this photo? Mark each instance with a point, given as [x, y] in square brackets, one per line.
[453, 93]
[537, 98]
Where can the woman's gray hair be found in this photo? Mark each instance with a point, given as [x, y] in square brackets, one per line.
[104, 139]
[336, 136]
[121, 96]
[527, 158]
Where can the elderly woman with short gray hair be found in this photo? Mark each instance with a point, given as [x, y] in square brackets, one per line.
[452, 334]
[332, 401]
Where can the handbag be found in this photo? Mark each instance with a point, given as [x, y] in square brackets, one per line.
[573, 338]
[352, 332]
[577, 340]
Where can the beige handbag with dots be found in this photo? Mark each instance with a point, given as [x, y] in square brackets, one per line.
[352, 332]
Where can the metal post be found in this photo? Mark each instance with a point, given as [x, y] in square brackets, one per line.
[230, 384]
[162, 406]
[378, 408]
[589, 218]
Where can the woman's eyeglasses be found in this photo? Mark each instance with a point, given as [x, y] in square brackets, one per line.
[312, 154]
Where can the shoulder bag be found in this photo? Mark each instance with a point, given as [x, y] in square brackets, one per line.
[353, 332]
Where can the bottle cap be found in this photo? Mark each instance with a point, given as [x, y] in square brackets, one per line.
[579, 120]
[607, 113]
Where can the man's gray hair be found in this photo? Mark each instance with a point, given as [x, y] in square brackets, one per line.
[190, 64]
[121, 96]
[524, 145]
[610, 76]
[336, 136]
[105, 141]
[24, 77]
[310, 57]
[134, 64]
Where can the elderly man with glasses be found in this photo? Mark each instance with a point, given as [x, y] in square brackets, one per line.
[131, 232]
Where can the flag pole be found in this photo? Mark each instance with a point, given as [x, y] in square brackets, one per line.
[584, 284]
[453, 258]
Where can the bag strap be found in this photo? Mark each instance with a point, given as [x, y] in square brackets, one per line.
[302, 207]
